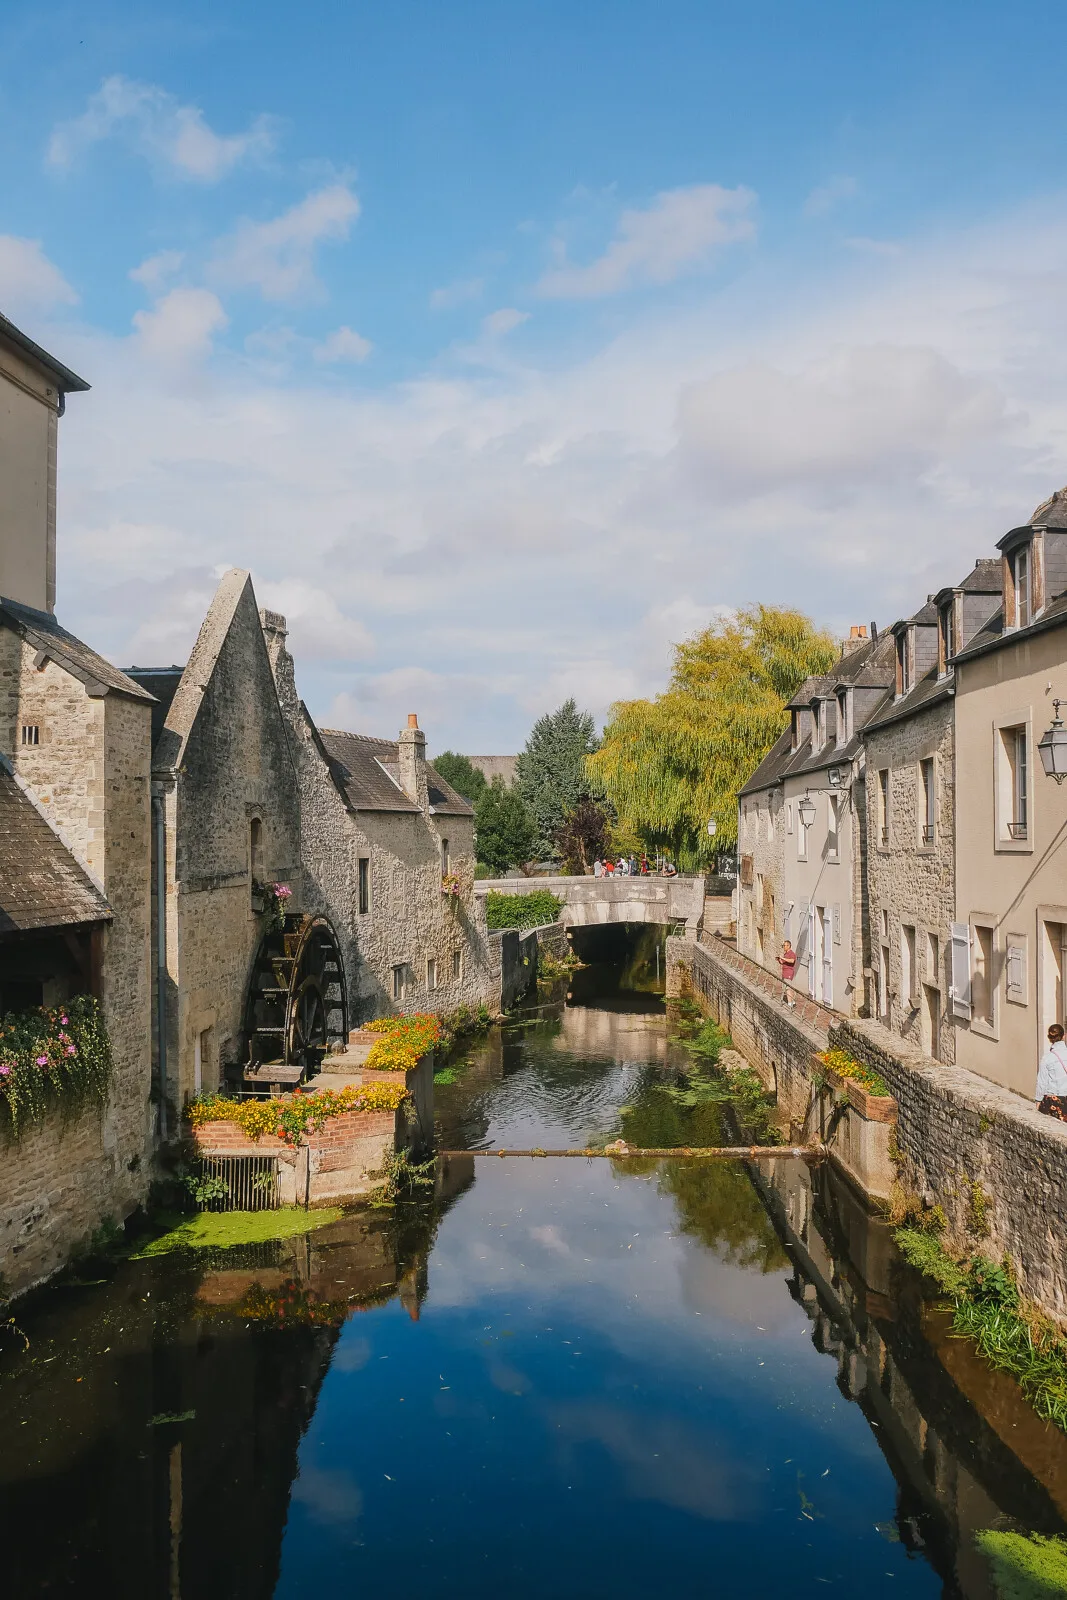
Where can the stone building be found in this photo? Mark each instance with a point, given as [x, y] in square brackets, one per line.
[388, 857]
[226, 805]
[802, 830]
[1010, 935]
[910, 792]
[74, 845]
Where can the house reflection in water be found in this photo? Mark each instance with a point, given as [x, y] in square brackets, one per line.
[967, 1451]
[152, 1429]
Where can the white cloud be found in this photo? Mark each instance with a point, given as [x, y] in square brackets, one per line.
[498, 323]
[28, 280]
[457, 294]
[179, 330]
[318, 629]
[154, 270]
[278, 257]
[828, 196]
[175, 138]
[680, 230]
[343, 344]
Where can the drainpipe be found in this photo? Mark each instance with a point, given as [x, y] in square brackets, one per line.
[161, 960]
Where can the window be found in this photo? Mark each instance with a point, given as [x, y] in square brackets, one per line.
[364, 885]
[445, 868]
[1021, 571]
[960, 949]
[903, 675]
[457, 965]
[802, 835]
[1015, 969]
[255, 853]
[948, 635]
[929, 799]
[402, 984]
[933, 959]
[1013, 785]
[883, 808]
[31, 733]
[883, 984]
[908, 983]
[1054, 969]
[770, 823]
[842, 716]
[983, 985]
[789, 816]
[431, 973]
[833, 801]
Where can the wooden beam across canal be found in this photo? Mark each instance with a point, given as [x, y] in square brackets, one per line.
[723, 1152]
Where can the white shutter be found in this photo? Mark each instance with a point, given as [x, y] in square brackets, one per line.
[813, 976]
[1016, 972]
[836, 911]
[961, 969]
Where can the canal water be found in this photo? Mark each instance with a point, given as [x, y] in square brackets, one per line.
[559, 1377]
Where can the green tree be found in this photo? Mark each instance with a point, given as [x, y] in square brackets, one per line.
[671, 764]
[503, 829]
[583, 836]
[550, 772]
[457, 770]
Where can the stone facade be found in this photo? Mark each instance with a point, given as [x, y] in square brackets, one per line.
[911, 878]
[227, 793]
[406, 945]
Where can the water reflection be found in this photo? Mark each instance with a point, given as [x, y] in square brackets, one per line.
[562, 1378]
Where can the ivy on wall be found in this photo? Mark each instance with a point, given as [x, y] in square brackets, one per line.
[57, 1059]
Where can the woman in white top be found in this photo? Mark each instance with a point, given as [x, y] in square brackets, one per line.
[1051, 1091]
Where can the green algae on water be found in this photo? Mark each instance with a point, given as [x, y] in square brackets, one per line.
[1025, 1567]
[220, 1229]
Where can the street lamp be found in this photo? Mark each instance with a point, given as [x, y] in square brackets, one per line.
[1052, 747]
[713, 828]
[806, 811]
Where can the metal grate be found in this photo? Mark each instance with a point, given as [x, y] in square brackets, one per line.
[251, 1182]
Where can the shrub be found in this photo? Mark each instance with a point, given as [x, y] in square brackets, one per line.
[522, 910]
[289, 1117]
[52, 1059]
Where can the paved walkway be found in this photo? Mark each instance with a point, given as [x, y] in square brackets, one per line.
[804, 1008]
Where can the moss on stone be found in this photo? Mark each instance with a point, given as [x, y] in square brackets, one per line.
[220, 1229]
[1025, 1567]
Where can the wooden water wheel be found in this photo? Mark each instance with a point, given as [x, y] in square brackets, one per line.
[297, 1004]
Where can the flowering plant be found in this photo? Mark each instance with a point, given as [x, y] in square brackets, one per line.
[289, 1117]
[404, 1043]
[49, 1059]
[847, 1066]
[275, 898]
[451, 885]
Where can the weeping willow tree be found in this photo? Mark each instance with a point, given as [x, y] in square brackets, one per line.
[671, 764]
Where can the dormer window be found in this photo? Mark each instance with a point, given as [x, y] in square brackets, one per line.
[794, 738]
[842, 716]
[948, 636]
[1021, 574]
[903, 666]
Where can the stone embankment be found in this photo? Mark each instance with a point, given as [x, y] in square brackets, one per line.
[985, 1156]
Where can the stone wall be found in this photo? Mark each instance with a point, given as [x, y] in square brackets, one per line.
[910, 882]
[589, 901]
[982, 1153]
[985, 1155]
[409, 920]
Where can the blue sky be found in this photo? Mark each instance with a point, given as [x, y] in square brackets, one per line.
[507, 344]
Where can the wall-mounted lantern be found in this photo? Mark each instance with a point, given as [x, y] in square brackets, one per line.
[1052, 747]
[806, 810]
[713, 827]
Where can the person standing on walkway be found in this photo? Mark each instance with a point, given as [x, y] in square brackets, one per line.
[1051, 1091]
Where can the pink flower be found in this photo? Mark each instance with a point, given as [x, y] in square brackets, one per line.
[5, 1071]
[63, 1020]
[282, 891]
[42, 1061]
[71, 1050]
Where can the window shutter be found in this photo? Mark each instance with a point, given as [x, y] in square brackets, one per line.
[803, 930]
[836, 911]
[787, 923]
[961, 969]
[1016, 972]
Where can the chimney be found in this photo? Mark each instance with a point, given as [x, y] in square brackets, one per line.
[275, 634]
[411, 750]
[857, 636]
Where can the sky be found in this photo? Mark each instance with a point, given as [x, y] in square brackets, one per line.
[507, 345]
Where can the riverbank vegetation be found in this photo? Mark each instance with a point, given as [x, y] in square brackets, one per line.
[1024, 1566]
[1009, 1331]
[671, 764]
[56, 1059]
[534, 910]
[223, 1230]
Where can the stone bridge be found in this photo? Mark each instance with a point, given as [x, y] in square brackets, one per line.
[678, 902]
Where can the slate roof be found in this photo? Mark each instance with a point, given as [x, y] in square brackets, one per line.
[162, 682]
[1051, 513]
[871, 665]
[66, 381]
[40, 628]
[367, 772]
[41, 884]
